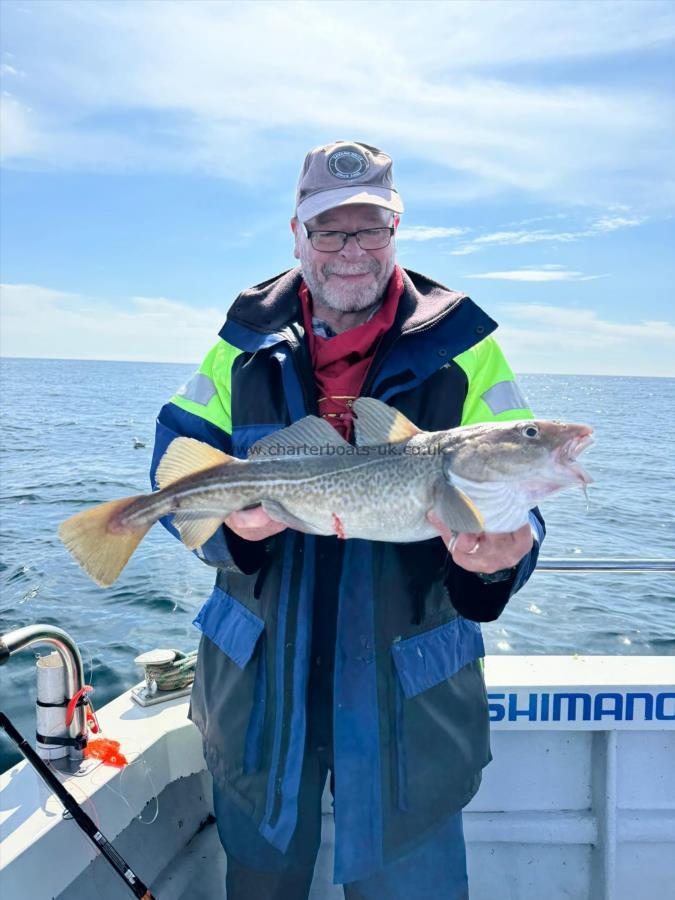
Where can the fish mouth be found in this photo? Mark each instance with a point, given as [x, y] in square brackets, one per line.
[566, 458]
[563, 469]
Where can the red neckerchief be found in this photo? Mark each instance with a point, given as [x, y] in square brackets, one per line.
[341, 363]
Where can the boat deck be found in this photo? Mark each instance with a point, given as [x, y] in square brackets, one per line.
[198, 872]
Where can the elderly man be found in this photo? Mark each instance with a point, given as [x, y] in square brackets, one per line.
[355, 658]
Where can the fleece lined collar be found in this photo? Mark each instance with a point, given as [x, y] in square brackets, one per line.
[269, 307]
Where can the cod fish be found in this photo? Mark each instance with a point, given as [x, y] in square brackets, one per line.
[476, 478]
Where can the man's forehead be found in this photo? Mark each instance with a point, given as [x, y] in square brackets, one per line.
[355, 213]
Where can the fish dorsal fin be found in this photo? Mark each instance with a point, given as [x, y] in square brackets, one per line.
[296, 439]
[376, 423]
[185, 456]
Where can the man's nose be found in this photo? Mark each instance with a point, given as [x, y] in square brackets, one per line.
[351, 249]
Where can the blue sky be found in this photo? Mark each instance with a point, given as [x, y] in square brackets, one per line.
[150, 153]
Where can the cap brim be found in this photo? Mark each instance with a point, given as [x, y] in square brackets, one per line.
[348, 196]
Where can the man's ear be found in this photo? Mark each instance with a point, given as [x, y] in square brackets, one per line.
[397, 219]
[297, 231]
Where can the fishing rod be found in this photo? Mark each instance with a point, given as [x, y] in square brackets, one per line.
[102, 844]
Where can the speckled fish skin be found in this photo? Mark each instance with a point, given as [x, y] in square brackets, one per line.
[385, 492]
[379, 494]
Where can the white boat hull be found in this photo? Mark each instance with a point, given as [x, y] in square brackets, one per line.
[579, 801]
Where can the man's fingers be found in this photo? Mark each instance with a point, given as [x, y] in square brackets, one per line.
[491, 552]
[467, 542]
[519, 543]
[254, 524]
[249, 518]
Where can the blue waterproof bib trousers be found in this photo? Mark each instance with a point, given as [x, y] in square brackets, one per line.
[434, 869]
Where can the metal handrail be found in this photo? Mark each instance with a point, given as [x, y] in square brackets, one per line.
[65, 646]
[605, 565]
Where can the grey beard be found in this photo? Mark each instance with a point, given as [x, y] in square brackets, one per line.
[343, 300]
[348, 302]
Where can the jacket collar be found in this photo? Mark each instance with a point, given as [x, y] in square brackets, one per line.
[262, 315]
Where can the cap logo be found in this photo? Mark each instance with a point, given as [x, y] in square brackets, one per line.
[347, 164]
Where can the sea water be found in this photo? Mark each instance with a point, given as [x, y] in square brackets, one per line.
[74, 432]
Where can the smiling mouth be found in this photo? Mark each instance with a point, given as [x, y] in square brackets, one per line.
[350, 274]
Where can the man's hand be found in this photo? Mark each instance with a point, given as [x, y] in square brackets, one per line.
[485, 553]
[253, 524]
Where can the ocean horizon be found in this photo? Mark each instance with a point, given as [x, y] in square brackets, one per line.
[196, 364]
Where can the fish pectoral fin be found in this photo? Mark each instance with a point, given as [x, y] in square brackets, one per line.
[376, 424]
[280, 514]
[296, 438]
[194, 532]
[185, 456]
[456, 509]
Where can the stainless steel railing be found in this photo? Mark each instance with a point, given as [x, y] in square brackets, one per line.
[605, 565]
[65, 646]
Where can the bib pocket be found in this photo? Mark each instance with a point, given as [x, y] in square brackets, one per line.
[230, 687]
[429, 658]
[441, 734]
[230, 625]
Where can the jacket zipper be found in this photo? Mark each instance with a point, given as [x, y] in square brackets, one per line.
[399, 779]
[289, 653]
[302, 364]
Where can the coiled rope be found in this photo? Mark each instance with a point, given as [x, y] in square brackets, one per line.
[173, 676]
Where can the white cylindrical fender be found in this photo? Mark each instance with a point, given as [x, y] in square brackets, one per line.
[51, 719]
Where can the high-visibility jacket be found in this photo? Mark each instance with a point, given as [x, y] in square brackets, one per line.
[410, 718]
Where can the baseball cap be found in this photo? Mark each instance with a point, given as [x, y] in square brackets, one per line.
[345, 172]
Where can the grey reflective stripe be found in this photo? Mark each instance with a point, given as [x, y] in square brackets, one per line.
[503, 396]
[200, 389]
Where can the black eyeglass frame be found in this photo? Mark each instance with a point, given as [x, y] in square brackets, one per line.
[347, 234]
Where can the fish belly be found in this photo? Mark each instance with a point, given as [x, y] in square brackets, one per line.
[378, 502]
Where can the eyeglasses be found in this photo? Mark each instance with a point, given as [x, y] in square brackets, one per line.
[366, 238]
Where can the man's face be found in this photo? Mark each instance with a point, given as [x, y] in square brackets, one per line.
[350, 279]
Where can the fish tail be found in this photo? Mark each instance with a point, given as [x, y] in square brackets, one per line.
[100, 542]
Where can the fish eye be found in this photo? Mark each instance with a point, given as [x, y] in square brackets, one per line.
[530, 431]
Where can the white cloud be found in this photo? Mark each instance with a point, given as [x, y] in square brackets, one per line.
[223, 100]
[540, 337]
[596, 228]
[587, 321]
[39, 321]
[546, 273]
[534, 219]
[19, 135]
[614, 223]
[427, 232]
[507, 238]
[465, 250]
